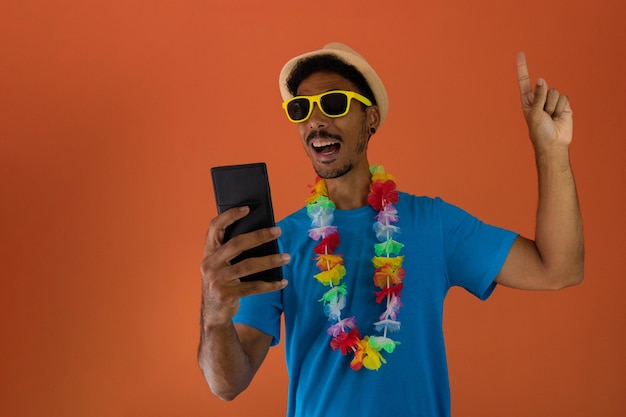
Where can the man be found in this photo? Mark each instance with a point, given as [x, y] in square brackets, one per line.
[352, 347]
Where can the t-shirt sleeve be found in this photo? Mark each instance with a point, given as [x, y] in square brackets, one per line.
[262, 311]
[474, 251]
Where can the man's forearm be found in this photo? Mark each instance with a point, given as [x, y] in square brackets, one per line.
[226, 366]
[559, 231]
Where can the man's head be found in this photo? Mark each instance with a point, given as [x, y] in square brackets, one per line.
[340, 59]
[340, 103]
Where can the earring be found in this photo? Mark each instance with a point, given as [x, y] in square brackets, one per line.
[372, 130]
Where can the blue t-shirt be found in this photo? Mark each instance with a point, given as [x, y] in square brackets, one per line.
[444, 247]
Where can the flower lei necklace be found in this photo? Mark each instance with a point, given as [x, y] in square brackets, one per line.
[388, 273]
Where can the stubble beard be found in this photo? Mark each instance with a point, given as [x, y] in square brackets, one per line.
[359, 149]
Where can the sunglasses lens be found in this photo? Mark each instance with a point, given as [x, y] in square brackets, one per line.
[334, 104]
[298, 109]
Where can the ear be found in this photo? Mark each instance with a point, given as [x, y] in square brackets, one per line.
[373, 118]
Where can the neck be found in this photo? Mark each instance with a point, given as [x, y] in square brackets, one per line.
[350, 190]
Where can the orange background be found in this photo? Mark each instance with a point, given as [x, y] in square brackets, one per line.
[113, 112]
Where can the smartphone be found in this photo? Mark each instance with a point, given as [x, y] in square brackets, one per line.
[247, 185]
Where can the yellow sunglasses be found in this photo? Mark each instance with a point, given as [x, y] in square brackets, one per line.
[332, 104]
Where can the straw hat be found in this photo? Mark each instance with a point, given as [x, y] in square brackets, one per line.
[349, 56]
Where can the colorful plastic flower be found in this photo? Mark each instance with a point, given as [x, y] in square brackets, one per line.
[321, 214]
[382, 193]
[367, 356]
[387, 215]
[334, 307]
[387, 275]
[333, 275]
[341, 326]
[327, 245]
[347, 341]
[319, 189]
[393, 307]
[388, 247]
[321, 232]
[383, 343]
[379, 174]
[387, 292]
[380, 261]
[387, 325]
[326, 262]
[385, 231]
[333, 293]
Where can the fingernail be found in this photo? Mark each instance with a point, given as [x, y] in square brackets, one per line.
[275, 230]
[540, 82]
[285, 258]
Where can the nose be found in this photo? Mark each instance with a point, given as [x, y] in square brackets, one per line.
[317, 119]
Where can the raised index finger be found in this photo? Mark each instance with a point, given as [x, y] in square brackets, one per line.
[522, 75]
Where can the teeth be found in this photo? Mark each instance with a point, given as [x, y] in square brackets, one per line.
[322, 144]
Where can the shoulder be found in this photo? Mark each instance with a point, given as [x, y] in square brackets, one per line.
[421, 204]
[431, 204]
[433, 213]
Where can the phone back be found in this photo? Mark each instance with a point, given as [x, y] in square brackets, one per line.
[247, 185]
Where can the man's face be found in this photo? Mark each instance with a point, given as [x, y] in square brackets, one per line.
[335, 145]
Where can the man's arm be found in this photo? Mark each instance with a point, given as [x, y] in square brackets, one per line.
[555, 259]
[229, 355]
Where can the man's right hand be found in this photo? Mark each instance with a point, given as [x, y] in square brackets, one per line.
[221, 287]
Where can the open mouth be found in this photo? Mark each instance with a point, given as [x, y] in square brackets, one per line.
[325, 147]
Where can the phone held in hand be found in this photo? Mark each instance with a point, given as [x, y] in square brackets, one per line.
[247, 185]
